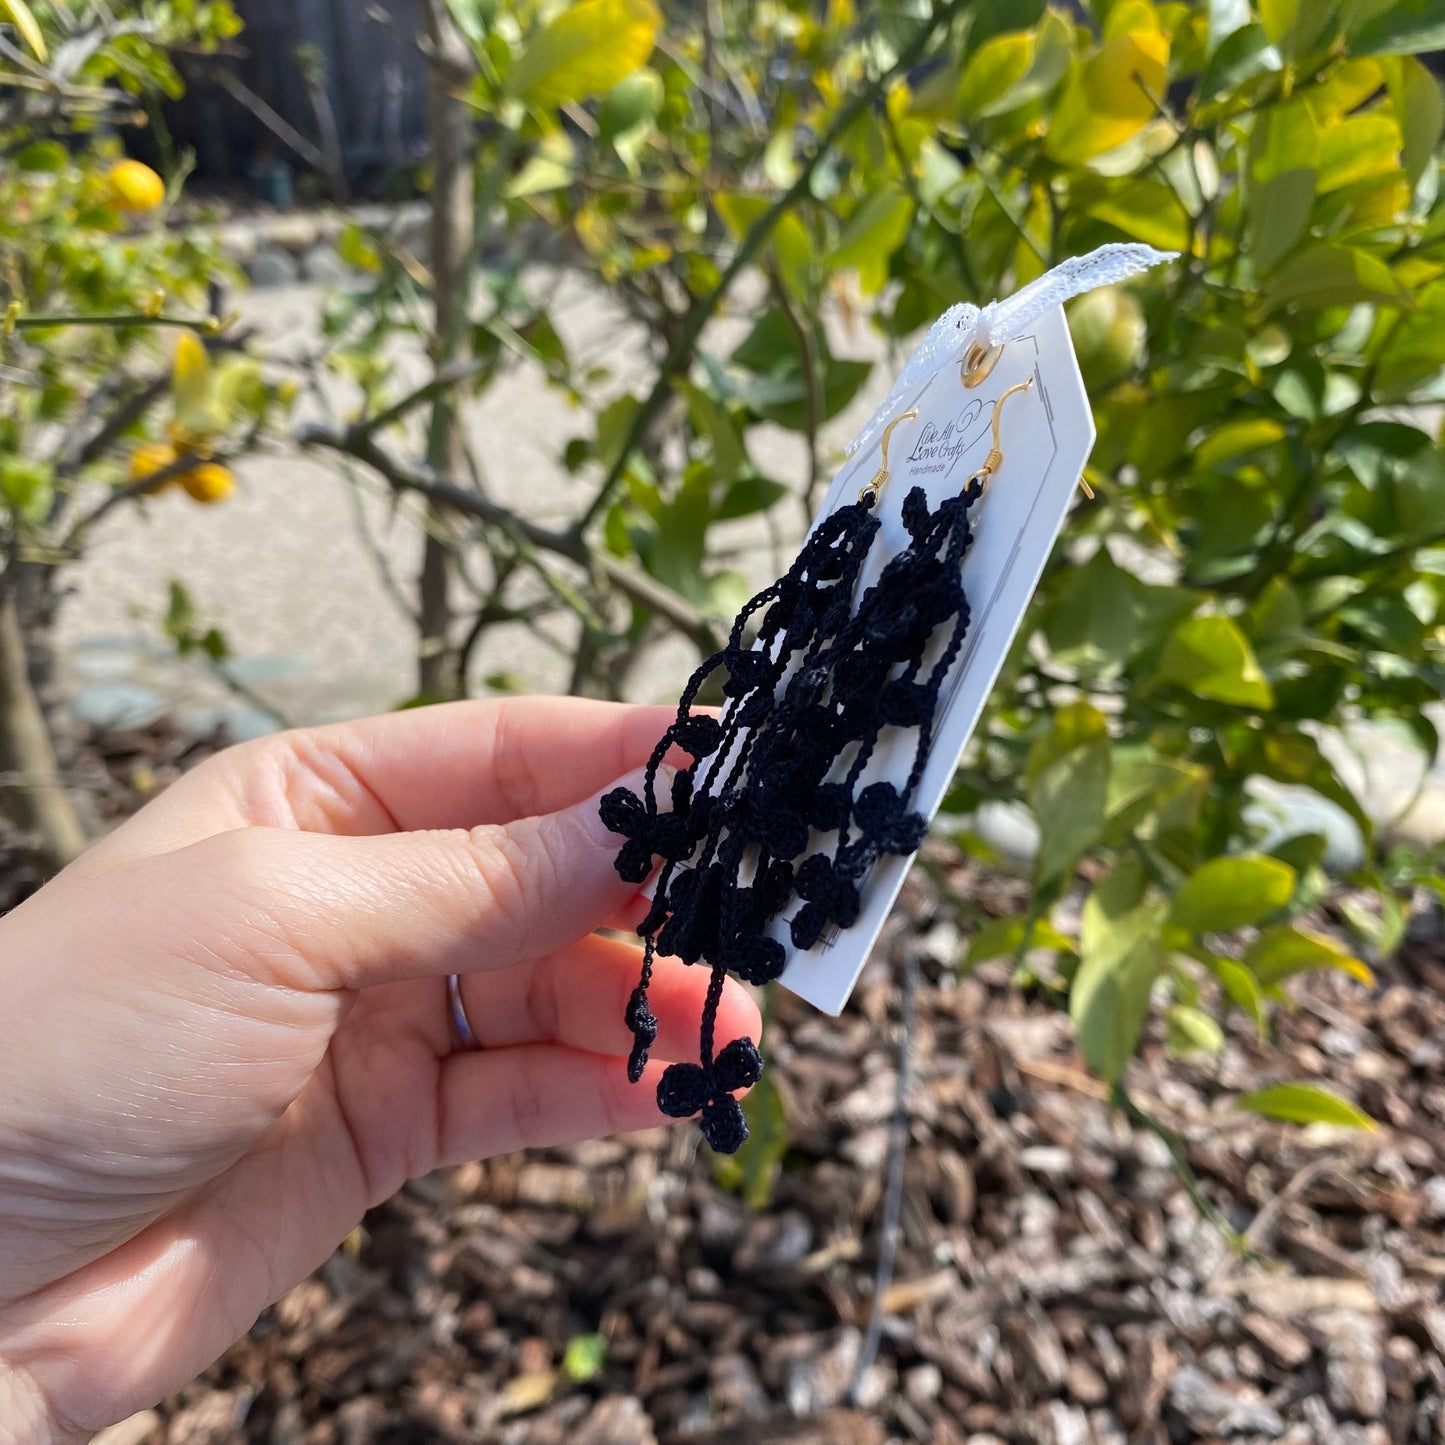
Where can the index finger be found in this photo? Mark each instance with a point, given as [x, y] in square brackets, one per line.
[451, 765]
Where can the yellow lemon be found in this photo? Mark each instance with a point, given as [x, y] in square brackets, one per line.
[209, 482]
[134, 186]
[149, 458]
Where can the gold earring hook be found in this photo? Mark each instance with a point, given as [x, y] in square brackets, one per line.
[874, 486]
[994, 459]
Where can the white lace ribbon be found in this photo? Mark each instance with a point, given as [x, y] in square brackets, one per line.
[961, 326]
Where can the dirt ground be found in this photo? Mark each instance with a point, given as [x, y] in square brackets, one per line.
[1053, 1282]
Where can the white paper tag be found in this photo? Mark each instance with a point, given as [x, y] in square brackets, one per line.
[1045, 437]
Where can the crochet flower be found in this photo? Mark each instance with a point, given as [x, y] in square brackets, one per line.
[830, 897]
[747, 670]
[884, 821]
[700, 735]
[905, 704]
[687, 1089]
[755, 958]
[695, 898]
[648, 834]
[886, 827]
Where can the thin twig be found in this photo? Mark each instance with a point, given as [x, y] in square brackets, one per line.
[893, 1195]
[410, 477]
[1183, 1170]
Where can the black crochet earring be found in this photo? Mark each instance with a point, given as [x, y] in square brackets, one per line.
[766, 811]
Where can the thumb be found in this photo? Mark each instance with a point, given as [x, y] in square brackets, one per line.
[353, 912]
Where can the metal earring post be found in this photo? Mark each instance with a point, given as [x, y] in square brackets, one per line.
[874, 486]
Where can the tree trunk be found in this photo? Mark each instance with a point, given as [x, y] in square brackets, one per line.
[449, 122]
[33, 795]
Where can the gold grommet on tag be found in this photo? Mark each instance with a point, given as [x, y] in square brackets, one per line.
[978, 364]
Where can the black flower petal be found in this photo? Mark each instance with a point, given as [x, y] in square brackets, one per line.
[723, 1124]
[622, 811]
[682, 1090]
[738, 1066]
[807, 925]
[756, 959]
[634, 861]
[830, 807]
[905, 704]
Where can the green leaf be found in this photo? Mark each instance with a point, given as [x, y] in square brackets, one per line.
[1004, 937]
[1192, 1031]
[1075, 724]
[1237, 438]
[991, 72]
[1146, 210]
[1304, 1104]
[1068, 799]
[738, 211]
[1245, 53]
[1396, 27]
[749, 495]
[584, 1358]
[873, 233]
[1090, 623]
[552, 167]
[1414, 352]
[712, 421]
[1239, 983]
[1284, 156]
[584, 51]
[1420, 110]
[1112, 95]
[26, 485]
[1211, 657]
[1280, 953]
[1120, 956]
[753, 1171]
[1278, 17]
[1358, 148]
[1229, 893]
[681, 542]
[42, 155]
[794, 249]
[1334, 276]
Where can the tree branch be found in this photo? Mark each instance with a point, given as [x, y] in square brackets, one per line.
[410, 477]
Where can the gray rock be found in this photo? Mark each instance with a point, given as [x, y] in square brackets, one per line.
[271, 266]
[1210, 1408]
[735, 1387]
[1065, 1424]
[1433, 1199]
[323, 267]
[1354, 1365]
[111, 706]
[923, 1383]
[617, 1420]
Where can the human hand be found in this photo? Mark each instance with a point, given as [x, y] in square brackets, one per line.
[227, 1033]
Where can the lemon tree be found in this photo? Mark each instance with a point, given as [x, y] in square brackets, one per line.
[115, 382]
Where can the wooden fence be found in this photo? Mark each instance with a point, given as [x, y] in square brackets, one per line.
[374, 78]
